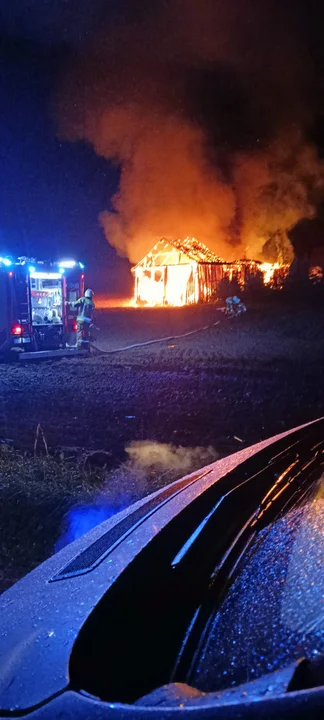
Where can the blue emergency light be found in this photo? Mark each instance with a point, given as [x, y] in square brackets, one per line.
[62, 264]
[5, 261]
[67, 264]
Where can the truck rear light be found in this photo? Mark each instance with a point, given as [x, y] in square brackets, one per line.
[16, 330]
[75, 326]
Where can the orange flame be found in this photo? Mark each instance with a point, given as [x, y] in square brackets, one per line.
[177, 273]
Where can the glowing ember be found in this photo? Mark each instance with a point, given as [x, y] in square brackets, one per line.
[316, 274]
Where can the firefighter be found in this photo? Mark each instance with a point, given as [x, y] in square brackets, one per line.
[234, 306]
[84, 319]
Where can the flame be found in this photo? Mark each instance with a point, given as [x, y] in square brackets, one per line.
[104, 301]
[268, 270]
[274, 274]
[155, 290]
[185, 272]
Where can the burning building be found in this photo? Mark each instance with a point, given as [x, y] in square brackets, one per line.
[184, 272]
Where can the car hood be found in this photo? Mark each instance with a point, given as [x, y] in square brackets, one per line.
[42, 614]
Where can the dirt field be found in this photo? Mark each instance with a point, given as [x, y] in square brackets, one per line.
[225, 387]
[251, 378]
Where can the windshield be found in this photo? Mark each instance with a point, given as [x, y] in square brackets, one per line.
[161, 295]
[273, 613]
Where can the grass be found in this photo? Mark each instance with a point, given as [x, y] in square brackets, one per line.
[52, 474]
[39, 490]
[36, 491]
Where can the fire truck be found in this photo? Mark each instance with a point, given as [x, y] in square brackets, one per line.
[37, 307]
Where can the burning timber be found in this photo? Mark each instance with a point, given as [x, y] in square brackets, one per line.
[185, 272]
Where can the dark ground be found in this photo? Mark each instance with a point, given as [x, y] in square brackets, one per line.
[246, 379]
[250, 378]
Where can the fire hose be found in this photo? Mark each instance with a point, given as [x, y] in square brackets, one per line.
[98, 351]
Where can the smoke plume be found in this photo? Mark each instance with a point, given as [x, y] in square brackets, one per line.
[149, 466]
[205, 108]
[146, 455]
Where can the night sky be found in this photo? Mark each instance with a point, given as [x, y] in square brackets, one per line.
[53, 190]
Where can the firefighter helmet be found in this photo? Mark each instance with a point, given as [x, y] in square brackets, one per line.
[88, 293]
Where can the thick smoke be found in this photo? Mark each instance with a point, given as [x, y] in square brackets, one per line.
[274, 190]
[204, 106]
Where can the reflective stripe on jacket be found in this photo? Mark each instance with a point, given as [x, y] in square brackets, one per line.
[86, 308]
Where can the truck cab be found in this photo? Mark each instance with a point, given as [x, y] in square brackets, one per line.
[37, 304]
